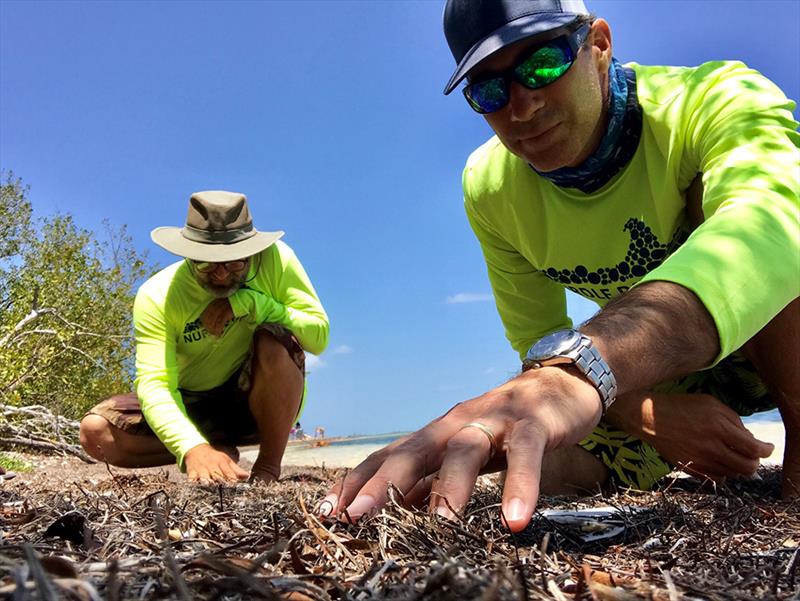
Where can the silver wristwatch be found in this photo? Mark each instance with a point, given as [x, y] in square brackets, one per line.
[572, 347]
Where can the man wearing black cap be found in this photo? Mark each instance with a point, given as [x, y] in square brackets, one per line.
[667, 195]
[220, 341]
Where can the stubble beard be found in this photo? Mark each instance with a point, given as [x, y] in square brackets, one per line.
[221, 291]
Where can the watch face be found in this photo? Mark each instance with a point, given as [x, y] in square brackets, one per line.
[554, 344]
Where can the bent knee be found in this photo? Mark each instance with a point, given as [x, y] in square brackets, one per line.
[94, 433]
[269, 350]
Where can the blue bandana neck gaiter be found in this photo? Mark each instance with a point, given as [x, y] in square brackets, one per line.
[619, 142]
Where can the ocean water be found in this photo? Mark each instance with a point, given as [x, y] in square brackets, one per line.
[371, 440]
[351, 451]
[772, 417]
[348, 452]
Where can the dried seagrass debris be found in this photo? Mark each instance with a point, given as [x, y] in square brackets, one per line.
[155, 536]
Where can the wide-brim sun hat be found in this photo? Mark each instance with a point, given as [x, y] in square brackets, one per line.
[476, 29]
[218, 229]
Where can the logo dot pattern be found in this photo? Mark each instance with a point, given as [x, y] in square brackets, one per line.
[645, 253]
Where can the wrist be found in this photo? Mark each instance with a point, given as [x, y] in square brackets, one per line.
[198, 448]
[573, 348]
[566, 383]
[578, 379]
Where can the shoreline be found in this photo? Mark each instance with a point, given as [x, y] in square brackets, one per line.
[326, 452]
[349, 438]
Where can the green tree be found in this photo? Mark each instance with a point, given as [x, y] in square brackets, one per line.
[65, 307]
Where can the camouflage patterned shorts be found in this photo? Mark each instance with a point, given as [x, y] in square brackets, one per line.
[636, 464]
[222, 414]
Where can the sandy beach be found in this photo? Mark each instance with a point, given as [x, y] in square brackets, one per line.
[350, 455]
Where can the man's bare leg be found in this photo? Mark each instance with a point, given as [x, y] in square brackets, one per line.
[572, 471]
[775, 353]
[275, 394]
[105, 442]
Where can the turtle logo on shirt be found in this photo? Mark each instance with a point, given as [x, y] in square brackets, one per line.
[645, 253]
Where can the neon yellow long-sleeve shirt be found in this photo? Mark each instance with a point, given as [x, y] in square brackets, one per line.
[721, 120]
[173, 349]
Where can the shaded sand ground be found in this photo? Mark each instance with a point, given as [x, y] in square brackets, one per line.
[76, 531]
[351, 455]
[68, 529]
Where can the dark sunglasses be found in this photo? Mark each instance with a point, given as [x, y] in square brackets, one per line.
[230, 266]
[544, 65]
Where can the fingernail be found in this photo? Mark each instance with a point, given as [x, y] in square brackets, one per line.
[514, 510]
[361, 505]
[445, 512]
[327, 505]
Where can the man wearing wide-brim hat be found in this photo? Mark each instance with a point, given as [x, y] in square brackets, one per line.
[220, 341]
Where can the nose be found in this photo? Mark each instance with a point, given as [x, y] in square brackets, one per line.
[220, 271]
[523, 102]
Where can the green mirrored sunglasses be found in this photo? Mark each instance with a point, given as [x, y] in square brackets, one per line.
[541, 67]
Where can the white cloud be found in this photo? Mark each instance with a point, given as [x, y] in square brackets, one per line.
[342, 349]
[313, 362]
[468, 297]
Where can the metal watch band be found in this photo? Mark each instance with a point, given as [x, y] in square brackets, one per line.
[589, 361]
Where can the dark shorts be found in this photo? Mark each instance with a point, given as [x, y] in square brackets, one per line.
[222, 414]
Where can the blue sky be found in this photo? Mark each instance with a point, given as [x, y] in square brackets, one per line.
[330, 117]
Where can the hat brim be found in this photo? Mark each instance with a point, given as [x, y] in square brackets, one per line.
[171, 239]
[520, 29]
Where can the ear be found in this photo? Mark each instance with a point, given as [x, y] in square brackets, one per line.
[600, 43]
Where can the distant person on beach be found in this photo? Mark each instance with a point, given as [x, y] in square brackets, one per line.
[668, 195]
[220, 341]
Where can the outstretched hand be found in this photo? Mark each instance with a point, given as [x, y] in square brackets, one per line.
[206, 465]
[216, 315]
[540, 410]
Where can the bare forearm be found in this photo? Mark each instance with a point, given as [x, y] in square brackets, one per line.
[654, 332]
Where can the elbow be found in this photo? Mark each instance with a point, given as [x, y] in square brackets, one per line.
[317, 343]
[320, 342]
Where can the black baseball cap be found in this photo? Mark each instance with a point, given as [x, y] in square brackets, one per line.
[477, 28]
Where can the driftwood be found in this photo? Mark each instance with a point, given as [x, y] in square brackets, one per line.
[142, 535]
[36, 427]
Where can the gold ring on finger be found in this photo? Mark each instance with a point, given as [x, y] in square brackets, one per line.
[485, 430]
